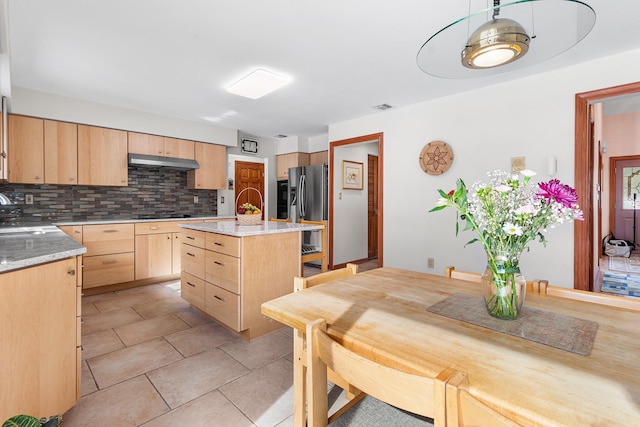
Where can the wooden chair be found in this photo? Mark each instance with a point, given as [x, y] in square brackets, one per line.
[463, 409]
[414, 393]
[594, 297]
[462, 275]
[317, 256]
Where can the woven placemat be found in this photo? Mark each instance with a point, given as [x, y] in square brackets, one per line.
[544, 327]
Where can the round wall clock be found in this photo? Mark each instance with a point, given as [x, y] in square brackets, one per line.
[436, 158]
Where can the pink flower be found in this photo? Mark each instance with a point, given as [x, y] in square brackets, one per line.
[557, 191]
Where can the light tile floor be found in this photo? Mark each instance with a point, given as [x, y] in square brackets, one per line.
[149, 359]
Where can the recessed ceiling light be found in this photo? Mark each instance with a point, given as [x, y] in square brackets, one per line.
[258, 84]
[382, 107]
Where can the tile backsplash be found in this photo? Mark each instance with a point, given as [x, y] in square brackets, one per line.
[150, 191]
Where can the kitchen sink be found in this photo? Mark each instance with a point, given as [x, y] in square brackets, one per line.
[29, 230]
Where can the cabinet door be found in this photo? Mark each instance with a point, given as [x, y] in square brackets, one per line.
[142, 143]
[38, 358]
[180, 148]
[60, 153]
[25, 150]
[154, 254]
[177, 253]
[319, 158]
[102, 156]
[212, 173]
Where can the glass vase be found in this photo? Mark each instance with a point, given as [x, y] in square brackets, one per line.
[503, 286]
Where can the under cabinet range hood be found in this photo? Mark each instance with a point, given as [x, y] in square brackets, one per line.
[160, 162]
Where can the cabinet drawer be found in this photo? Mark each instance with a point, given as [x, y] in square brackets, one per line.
[222, 270]
[223, 305]
[157, 227]
[192, 237]
[108, 239]
[107, 269]
[73, 231]
[192, 290]
[222, 243]
[193, 260]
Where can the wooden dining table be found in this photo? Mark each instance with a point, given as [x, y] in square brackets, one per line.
[383, 314]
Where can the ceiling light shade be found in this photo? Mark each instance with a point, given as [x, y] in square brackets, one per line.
[258, 83]
[526, 33]
[497, 42]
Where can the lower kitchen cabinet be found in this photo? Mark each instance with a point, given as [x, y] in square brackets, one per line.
[193, 290]
[39, 340]
[154, 255]
[110, 254]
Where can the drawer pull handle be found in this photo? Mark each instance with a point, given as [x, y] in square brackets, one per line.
[71, 272]
[218, 263]
[109, 261]
[219, 298]
[218, 244]
[190, 254]
[153, 228]
[110, 231]
[191, 284]
[190, 238]
[77, 231]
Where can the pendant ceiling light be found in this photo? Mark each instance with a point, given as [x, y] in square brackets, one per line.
[507, 37]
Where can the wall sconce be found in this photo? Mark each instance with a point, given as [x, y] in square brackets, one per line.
[552, 165]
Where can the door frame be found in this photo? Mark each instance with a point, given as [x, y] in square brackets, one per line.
[583, 231]
[332, 146]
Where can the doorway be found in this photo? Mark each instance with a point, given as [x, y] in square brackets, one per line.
[249, 175]
[624, 197]
[586, 247]
[372, 207]
[336, 167]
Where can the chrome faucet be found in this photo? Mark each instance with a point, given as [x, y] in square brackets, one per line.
[4, 200]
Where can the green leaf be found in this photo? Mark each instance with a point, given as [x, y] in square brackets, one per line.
[22, 421]
[437, 208]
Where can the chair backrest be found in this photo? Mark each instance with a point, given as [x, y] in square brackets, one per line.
[280, 220]
[537, 287]
[594, 297]
[463, 409]
[462, 275]
[307, 282]
[413, 393]
[322, 254]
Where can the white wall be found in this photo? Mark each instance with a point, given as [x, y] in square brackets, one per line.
[46, 105]
[350, 206]
[531, 117]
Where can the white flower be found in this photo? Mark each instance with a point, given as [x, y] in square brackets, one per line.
[527, 209]
[442, 201]
[512, 229]
[528, 173]
[503, 188]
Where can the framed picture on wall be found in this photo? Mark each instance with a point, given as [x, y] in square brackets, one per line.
[351, 175]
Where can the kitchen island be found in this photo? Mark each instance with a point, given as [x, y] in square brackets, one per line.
[229, 270]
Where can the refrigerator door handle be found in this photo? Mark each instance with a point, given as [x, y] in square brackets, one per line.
[303, 196]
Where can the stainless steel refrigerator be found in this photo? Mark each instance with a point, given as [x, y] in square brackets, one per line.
[308, 193]
[308, 199]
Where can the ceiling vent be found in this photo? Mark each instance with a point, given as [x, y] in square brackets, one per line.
[280, 136]
[382, 107]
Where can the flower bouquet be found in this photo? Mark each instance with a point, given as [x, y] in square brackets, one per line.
[506, 214]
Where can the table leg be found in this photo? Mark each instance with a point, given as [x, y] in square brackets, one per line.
[299, 380]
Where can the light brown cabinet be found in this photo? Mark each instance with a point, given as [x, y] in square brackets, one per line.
[290, 160]
[25, 150]
[39, 339]
[212, 174]
[319, 158]
[102, 156]
[110, 254]
[155, 145]
[60, 153]
[229, 277]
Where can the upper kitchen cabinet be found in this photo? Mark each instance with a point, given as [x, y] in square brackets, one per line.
[290, 160]
[102, 156]
[319, 158]
[155, 145]
[212, 174]
[60, 153]
[25, 150]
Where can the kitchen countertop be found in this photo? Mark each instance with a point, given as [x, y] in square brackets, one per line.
[128, 220]
[27, 246]
[231, 228]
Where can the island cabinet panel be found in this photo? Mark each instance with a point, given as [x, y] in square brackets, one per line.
[240, 273]
[39, 357]
[193, 290]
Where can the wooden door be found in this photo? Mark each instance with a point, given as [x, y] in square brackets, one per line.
[250, 175]
[625, 197]
[372, 206]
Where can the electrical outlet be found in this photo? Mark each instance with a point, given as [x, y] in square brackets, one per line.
[430, 263]
[28, 199]
[221, 199]
[195, 199]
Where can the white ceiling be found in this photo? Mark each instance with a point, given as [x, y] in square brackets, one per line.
[175, 58]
